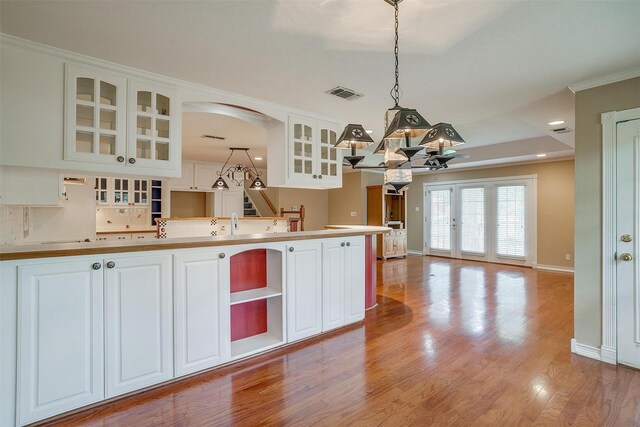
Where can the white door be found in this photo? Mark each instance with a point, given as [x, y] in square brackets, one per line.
[333, 283]
[60, 339]
[139, 336]
[628, 225]
[354, 279]
[440, 229]
[201, 292]
[232, 202]
[304, 290]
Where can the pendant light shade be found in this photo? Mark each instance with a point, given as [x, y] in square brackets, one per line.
[257, 184]
[406, 124]
[441, 136]
[354, 136]
[398, 178]
[220, 184]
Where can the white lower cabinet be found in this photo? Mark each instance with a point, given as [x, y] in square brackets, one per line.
[60, 339]
[304, 289]
[343, 282]
[139, 333]
[201, 292]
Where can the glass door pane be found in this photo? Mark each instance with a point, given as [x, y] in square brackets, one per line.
[472, 220]
[510, 212]
[440, 224]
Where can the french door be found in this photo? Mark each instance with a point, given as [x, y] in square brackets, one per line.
[481, 220]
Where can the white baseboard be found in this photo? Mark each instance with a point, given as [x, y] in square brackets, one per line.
[553, 268]
[590, 352]
[609, 355]
[414, 252]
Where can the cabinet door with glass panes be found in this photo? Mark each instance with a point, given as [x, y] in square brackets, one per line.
[95, 115]
[329, 159]
[154, 127]
[130, 192]
[302, 149]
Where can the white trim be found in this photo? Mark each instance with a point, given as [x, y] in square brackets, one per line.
[605, 80]
[410, 252]
[553, 268]
[481, 180]
[585, 350]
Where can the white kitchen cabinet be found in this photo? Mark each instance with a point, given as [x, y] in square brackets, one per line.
[201, 314]
[61, 347]
[196, 176]
[139, 334]
[354, 277]
[343, 282]
[312, 159]
[333, 283]
[304, 289]
[95, 115]
[118, 192]
[154, 126]
[31, 187]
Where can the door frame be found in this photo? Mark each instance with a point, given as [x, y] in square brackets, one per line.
[609, 121]
[531, 181]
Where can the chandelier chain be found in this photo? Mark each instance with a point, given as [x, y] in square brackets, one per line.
[395, 90]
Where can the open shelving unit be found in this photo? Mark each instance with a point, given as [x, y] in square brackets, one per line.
[256, 301]
[388, 207]
[156, 201]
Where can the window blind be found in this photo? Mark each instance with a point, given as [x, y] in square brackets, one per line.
[472, 220]
[440, 220]
[511, 220]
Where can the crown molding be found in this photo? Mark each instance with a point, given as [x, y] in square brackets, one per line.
[605, 80]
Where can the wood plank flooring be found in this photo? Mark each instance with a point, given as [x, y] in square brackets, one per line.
[450, 343]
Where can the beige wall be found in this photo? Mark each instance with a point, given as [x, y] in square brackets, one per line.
[186, 204]
[590, 104]
[343, 201]
[555, 205]
[316, 205]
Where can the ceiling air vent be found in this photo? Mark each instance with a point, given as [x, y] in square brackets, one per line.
[562, 130]
[344, 93]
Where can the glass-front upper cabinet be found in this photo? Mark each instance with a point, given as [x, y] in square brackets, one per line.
[302, 146]
[330, 159]
[95, 115]
[154, 134]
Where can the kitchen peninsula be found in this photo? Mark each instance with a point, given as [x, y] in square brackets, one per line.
[83, 323]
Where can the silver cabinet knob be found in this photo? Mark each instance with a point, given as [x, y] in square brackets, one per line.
[120, 159]
[342, 244]
[221, 255]
[348, 243]
[111, 264]
[291, 249]
[132, 160]
[315, 176]
[96, 266]
[626, 238]
[320, 176]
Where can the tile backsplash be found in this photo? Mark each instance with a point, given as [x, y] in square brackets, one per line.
[115, 219]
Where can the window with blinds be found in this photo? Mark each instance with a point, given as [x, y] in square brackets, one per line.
[511, 220]
[440, 220]
[472, 220]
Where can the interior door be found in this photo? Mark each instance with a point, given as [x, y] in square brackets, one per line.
[440, 230]
[627, 222]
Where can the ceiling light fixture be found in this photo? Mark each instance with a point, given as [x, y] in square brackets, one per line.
[541, 155]
[369, 131]
[239, 174]
[257, 158]
[556, 123]
[402, 125]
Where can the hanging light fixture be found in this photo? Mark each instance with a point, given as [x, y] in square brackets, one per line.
[402, 125]
[239, 174]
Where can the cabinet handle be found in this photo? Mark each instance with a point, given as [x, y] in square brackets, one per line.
[315, 176]
[342, 244]
[111, 264]
[221, 256]
[320, 176]
[96, 266]
[348, 243]
[290, 248]
[120, 159]
[132, 160]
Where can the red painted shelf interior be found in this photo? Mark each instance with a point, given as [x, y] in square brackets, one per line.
[248, 271]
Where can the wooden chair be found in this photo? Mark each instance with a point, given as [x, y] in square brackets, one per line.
[295, 218]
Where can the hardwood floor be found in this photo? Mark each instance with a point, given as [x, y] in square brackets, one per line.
[451, 343]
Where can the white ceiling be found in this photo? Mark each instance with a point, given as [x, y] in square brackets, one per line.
[497, 70]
